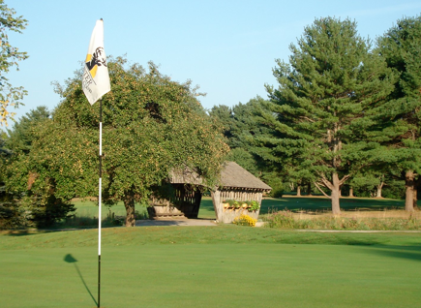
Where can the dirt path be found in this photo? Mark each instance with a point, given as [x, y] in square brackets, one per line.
[181, 222]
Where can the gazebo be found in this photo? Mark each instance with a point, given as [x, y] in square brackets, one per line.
[236, 183]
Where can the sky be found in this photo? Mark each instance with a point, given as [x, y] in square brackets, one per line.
[228, 48]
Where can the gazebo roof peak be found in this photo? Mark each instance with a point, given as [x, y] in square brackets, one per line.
[232, 176]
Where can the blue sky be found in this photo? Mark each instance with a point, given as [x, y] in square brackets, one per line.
[226, 47]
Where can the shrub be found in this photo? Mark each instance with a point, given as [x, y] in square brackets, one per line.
[254, 206]
[244, 220]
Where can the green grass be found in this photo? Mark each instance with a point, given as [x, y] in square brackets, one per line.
[206, 211]
[90, 209]
[223, 266]
[87, 212]
[311, 204]
[324, 204]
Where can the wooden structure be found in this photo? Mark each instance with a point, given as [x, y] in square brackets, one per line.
[236, 183]
[240, 185]
[184, 203]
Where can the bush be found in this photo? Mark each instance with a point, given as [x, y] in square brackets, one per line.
[244, 220]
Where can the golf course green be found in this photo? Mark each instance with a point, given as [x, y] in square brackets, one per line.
[221, 266]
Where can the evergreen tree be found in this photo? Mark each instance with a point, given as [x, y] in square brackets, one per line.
[21, 135]
[239, 129]
[401, 48]
[317, 116]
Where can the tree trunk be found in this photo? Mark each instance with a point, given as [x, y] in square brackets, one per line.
[309, 189]
[129, 205]
[351, 192]
[409, 193]
[417, 184]
[299, 191]
[379, 190]
[336, 191]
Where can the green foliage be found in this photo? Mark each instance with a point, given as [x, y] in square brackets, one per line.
[149, 128]
[274, 180]
[254, 205]
[400, 48]
[240, 129]
[318, 117]
[9, 55]
[21, 135]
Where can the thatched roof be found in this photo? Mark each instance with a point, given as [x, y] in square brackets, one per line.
[235, 176]
[232, 176]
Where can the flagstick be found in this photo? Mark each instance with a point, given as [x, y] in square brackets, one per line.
[99, 202]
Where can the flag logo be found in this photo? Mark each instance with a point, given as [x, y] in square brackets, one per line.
[95, 80]
[94, 60]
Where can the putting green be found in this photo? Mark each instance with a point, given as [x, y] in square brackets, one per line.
[232, 274]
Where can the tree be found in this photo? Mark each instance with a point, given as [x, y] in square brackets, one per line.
[239, 128]
[149, 128]
[16, 207]
[400, 46]
[241, 131]
[21, 135]
[9, 55]
[319, 114]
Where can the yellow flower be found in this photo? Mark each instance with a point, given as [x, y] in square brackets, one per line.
[244, 220]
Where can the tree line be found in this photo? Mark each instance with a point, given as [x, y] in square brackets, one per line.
[344, 116]
[151, 125]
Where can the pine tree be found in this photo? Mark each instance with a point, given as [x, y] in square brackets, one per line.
[401, 48]
[317, 116]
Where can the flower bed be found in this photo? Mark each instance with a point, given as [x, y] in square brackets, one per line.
[231, 205]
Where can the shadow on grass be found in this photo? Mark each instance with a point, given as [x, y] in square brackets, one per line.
[22, 232]
[317, 203]
[401, 252]
[70, 259]
[324, 204]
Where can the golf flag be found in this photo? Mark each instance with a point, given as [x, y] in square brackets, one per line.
[95, 81]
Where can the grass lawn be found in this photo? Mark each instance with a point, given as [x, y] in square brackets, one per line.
[90, 209]
[223, 266]
[324, 204]
[311, 204]
[86, 208]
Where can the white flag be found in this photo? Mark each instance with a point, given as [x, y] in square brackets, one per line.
[95, 81]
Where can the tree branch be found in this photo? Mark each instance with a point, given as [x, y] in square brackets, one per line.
[318, 187]
[346, 177]
[326, 182]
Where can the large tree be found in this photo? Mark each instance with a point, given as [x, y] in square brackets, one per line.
[318, 114]
[239, 128]
[9, 96]
[149, 128]
[400, 46]
[242, 133]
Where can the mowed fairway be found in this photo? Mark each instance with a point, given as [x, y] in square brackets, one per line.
[222, 266]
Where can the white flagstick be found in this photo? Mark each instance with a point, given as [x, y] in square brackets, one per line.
[99, 202]
[95, 83]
